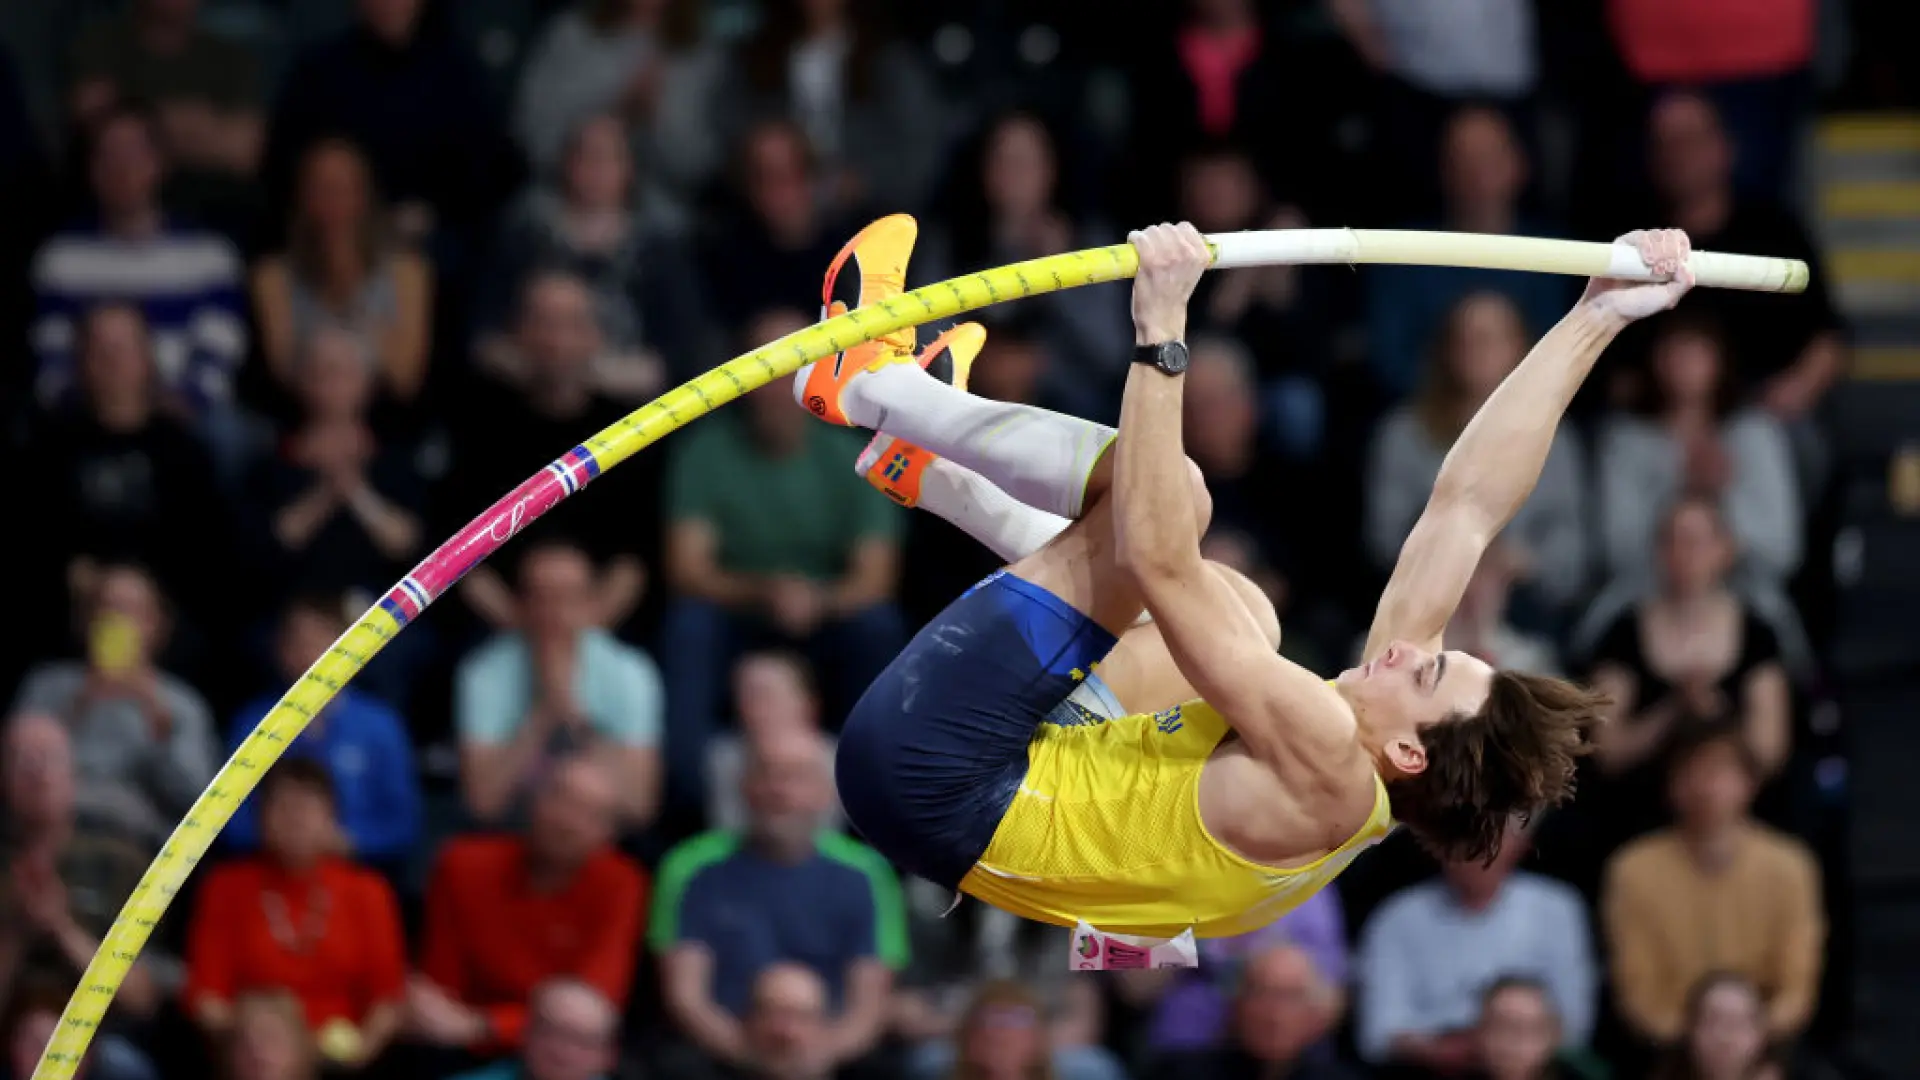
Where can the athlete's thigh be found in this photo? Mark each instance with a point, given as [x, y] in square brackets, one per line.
[1081, 566]
[1140, 672]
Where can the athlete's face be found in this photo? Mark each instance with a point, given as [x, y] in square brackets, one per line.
[1405, 688]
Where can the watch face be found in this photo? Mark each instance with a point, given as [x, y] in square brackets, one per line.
[1173, 357]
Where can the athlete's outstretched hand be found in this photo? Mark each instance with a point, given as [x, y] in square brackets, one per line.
[1172, 258]
[1665, 252]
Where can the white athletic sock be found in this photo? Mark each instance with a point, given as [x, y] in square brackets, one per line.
[1040, 458]
[971, 503]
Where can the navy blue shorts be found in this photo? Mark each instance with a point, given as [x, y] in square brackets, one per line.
[932, 756]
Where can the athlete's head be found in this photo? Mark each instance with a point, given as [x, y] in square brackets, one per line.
[1466, 749]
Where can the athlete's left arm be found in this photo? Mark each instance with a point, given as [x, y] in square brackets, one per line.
[1495, 463]
[1286, 714]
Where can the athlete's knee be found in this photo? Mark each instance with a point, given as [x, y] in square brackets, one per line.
[1257, 602]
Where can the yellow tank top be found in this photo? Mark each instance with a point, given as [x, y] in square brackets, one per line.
[1107, 829]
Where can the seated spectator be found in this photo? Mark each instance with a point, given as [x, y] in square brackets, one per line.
[773, 693]
[184, 280]
[303, 918]
[866, 102]
[1481, 626]
[343, 268]
[956, 954]
[140, 734]
[774, 538]
[585, 224]
[117, 474]
[1220, 412]
[647, 65]
[1483, 171]
[1752, 59]
[1013, 364]
[1717, 892]
[1482, 341]
[511, 428]
[1519, 1038]
[65, 875]
[1005, 1032]
[507, 913]
[1693, 439]
[269, 1040]
[1428, 65]
[29, 1018]
[1282, 315]
[1725, 1036]
[206, 93]
[789, 1027]
[1791, 351]
[572, 1032]
[1692, 653]
[733, 904]
[1429, 953]
[1192, 1010]
[362, 744]
[780, 231]
[1010, 205]
[336, 501]
[1214, 70]
[418, 104]
[558, 685]
[1283, 1008]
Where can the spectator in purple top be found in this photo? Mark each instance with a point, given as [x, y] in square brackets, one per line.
[1190, 1010]
[1283, 1008]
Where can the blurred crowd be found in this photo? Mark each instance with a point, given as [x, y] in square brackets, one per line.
[295, 288]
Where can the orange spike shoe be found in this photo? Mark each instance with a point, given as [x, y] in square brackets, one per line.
[878, 256]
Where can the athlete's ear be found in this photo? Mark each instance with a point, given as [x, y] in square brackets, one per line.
[1408, 756]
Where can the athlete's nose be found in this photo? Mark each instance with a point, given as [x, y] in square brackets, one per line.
[1392, 655]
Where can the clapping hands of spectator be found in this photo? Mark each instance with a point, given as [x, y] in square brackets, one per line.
[558, 707]
[1789, 395]
[340, 453]
[642, 92]
[1708, 468]
[438, 1018]
[1272, 286]
[1701, 696]
[796, 606]
[40, 896]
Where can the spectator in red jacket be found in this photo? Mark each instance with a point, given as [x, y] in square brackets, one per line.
[507, 913]
[303, 918]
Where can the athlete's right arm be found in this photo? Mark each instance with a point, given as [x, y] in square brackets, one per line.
[1290, 718]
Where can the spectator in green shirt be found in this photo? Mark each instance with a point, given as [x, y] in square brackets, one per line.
[772, 539]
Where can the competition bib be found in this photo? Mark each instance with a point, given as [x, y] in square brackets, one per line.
[1095, 950]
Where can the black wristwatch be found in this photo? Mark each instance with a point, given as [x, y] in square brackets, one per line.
[1169, 356]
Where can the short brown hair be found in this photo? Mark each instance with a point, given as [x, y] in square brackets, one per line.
[1513, 758]
[298, 773]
